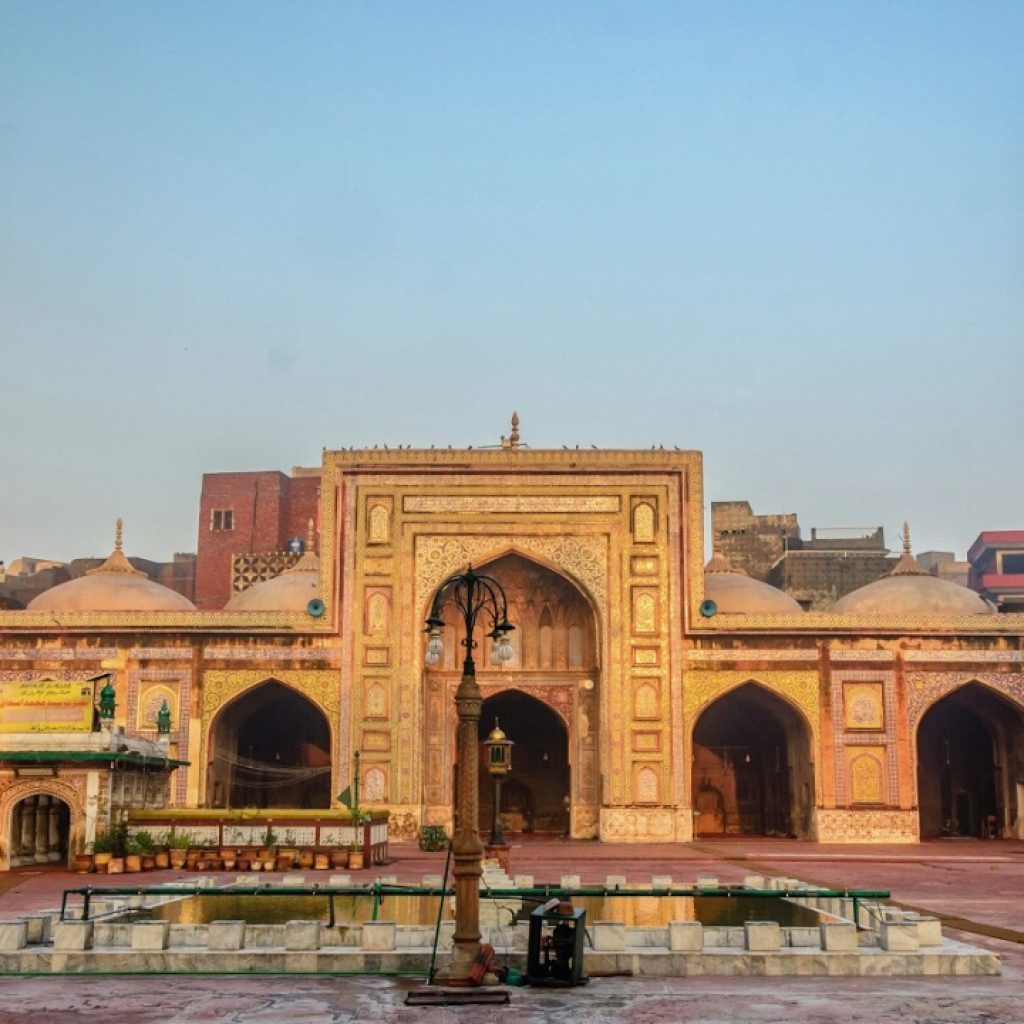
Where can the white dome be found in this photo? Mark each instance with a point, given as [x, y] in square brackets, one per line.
[114, 586]
[735, 593]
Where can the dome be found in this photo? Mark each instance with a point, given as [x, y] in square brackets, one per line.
[291, 591]
[909, 590]
[736, 593]
[114, 586]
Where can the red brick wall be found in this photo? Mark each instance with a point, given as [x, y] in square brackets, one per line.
[267, 507]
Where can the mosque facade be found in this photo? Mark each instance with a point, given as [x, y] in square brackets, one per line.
[654, 694]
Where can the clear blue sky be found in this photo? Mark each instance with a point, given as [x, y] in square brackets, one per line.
[790, 235]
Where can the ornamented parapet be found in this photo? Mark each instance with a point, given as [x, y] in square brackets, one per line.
[842, 825]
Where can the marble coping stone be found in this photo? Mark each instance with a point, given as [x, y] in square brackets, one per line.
[302, 936]
[224, 936]
[292, 879]
[661, 881]
[339, 881]
[706, 882]
[951, 960]
[150, 935]
[685, 936]
[608, 936]
[615, 882]
[899, 937]
[570, 882]
[73, 935]
[379, 936]
[13, 935]
[762, 936]
[838, 936]
[523, 881]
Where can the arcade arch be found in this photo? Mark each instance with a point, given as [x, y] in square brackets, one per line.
[547, 699]
[535, 794]
[270, 747]
[40, 831]
[752, 770]
[970, 765]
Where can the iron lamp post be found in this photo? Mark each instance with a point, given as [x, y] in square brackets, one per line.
[498, 749]
[473, 594]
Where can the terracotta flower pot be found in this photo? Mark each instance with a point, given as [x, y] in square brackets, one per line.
[115, 866]
[306, 859]
[339, 858]
[284, 862]
[101, 861]
[178, 858]
[83, 862]
[355, 859]
[163, 860]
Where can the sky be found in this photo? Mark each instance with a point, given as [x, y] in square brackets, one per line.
[789, 235]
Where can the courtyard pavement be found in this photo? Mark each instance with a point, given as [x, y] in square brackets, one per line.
[976, 886]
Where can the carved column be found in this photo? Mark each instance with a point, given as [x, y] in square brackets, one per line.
[28, 827]
[53, 846]
[42, 837]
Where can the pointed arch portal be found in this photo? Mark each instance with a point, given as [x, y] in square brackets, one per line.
[270, 747]
[554, 786]
[752, 772]
[535, 794]
[970, 765]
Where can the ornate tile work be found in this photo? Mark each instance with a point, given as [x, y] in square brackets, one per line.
[844, 654]
[751, 654]
[249, 569]
[1003, 657]
[57, 653]
[867, 826]
[923, 689]
[160, 653]
[843, 737]
[257, 654]
[176, 679]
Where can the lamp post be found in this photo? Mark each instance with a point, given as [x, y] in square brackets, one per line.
[473, 594]
[498, 749]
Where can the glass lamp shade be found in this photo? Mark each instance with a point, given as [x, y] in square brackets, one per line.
[435, 647]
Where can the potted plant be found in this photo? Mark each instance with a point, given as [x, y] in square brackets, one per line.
[82, 862]
[146, 847]
[102, 851]
[160, 853]
[349, 798]
[118, 848]
[178, 843]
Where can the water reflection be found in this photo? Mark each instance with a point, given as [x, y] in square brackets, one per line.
[632, 910]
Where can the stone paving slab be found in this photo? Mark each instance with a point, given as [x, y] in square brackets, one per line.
[979, 881]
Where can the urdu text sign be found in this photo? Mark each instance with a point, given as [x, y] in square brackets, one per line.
[46, 705]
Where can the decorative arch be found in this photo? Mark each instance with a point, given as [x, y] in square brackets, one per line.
[752, 745]
[70, 793]
[583, 561]
[531, 583]
[536, 797]
[968, 748]
[222, 688]
[925, 689]
[800, 690]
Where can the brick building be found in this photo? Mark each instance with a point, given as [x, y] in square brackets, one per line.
[248, 523]
[650, 697]
[997, 568]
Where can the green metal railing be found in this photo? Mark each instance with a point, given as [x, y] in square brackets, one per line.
[378, 891]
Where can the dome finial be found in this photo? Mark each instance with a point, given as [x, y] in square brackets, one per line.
[512, 441]
[908, 564]
[116, 560]
[310, 534]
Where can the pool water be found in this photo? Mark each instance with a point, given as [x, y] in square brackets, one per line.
[640, 911]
